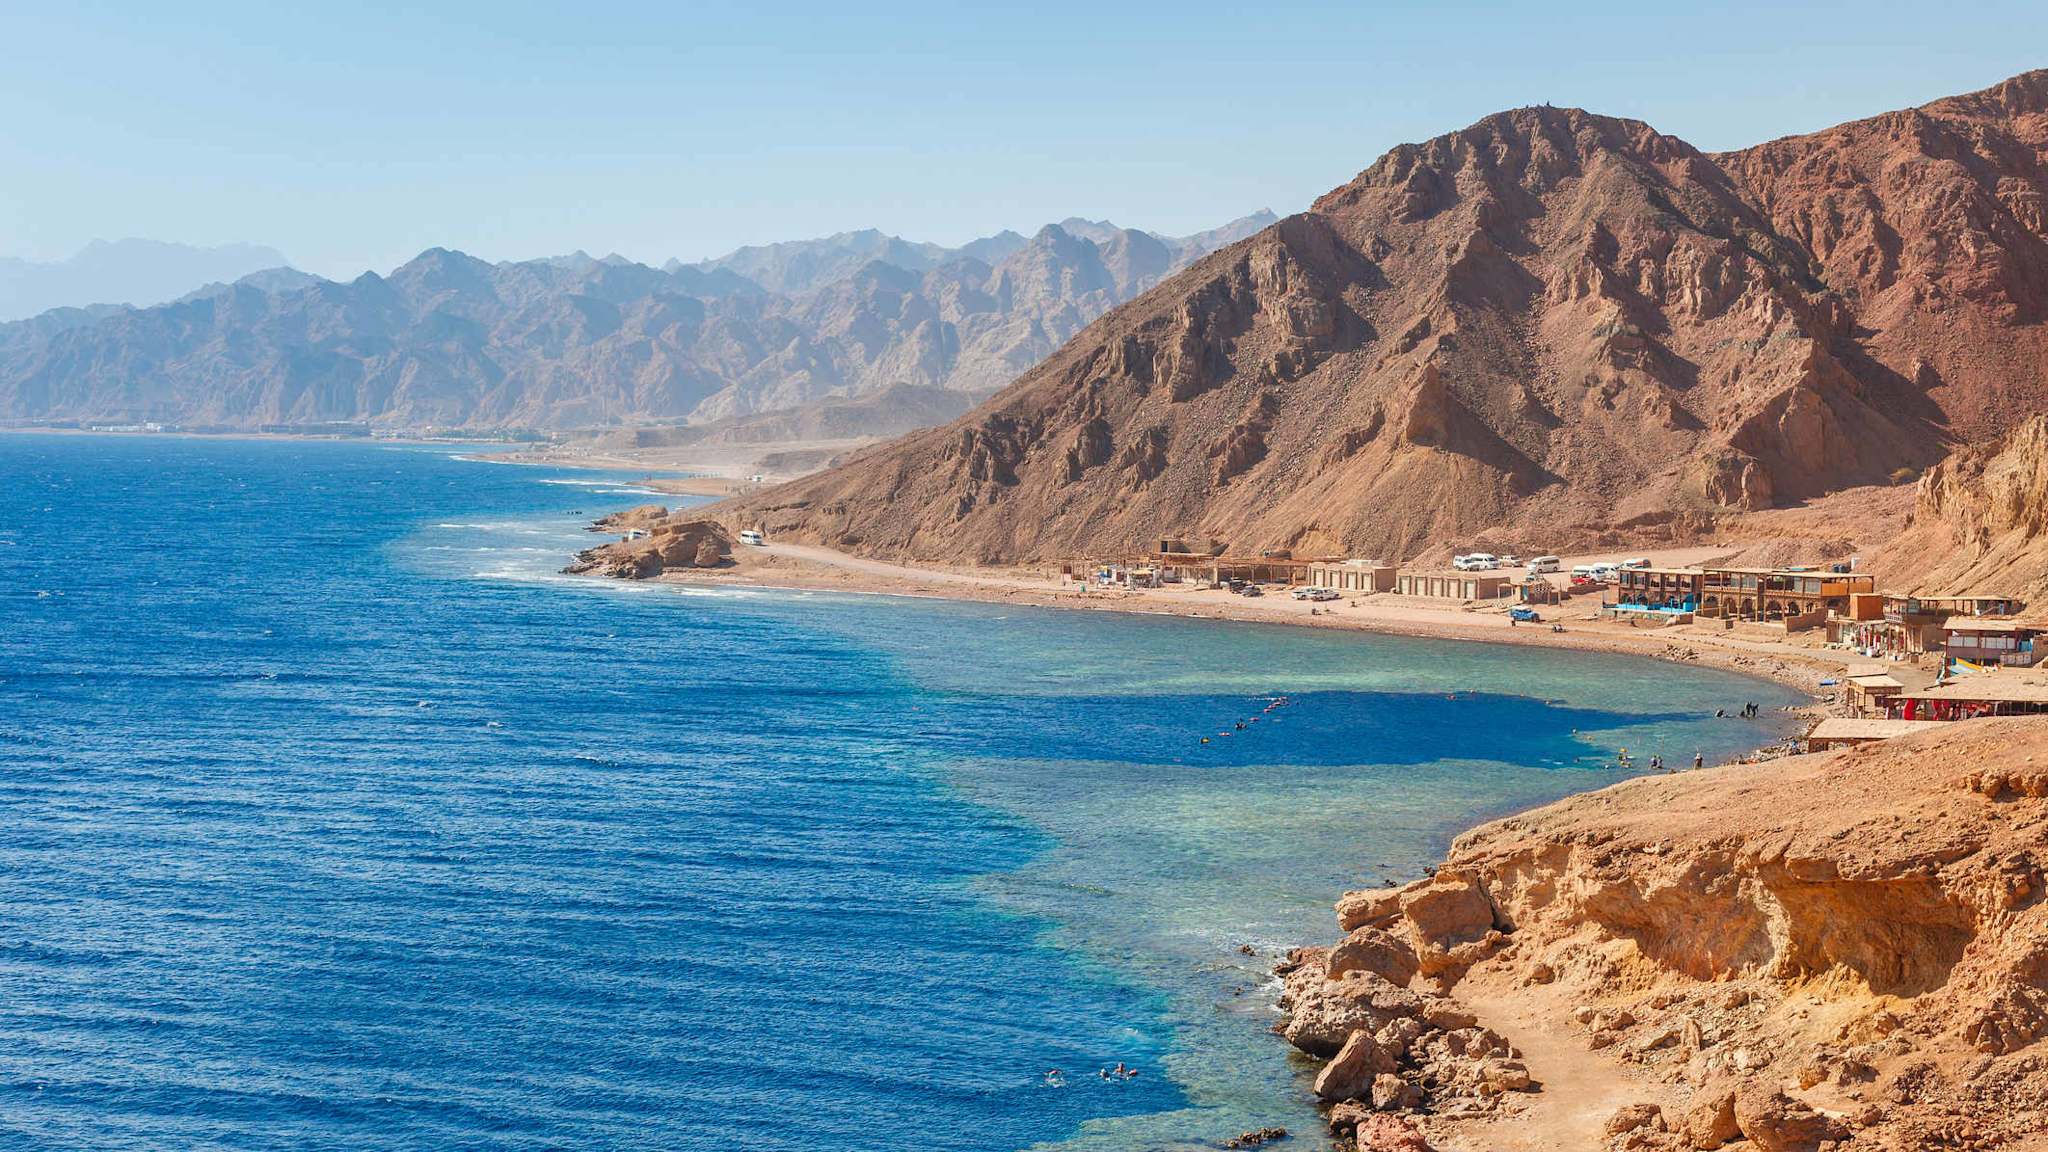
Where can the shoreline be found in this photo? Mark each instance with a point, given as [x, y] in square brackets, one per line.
[808, 569]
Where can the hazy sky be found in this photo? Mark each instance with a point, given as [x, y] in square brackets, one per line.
[356, 137]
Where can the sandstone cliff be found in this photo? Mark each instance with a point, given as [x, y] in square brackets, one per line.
[1847, 948]
[1550, 328]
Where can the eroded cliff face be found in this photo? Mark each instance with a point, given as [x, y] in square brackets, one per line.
[1981, 517]
[1847, 948]
[1551, 324]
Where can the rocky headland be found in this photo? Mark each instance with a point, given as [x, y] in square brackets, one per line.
[654, 541]
[1846, 950]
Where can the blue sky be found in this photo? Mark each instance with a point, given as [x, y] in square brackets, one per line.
[354, 135]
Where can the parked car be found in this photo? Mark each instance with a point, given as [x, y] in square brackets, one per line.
[1304, 593]
[1584, 574]
[752, 536]
[1508, 560]
[1321, 594]
[1524, 615]
[1476, 562]
[1606, 573]
[1635, 562]
[1544, 565]
[1251, 590]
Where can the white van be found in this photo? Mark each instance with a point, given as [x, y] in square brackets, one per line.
[753, 536]
[1476, 562]
[1545, 565]
[1606, 573]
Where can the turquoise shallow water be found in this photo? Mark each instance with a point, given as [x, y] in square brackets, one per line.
[331, 818]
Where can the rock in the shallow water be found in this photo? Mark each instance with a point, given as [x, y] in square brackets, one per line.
[1349, 1074]
[1373, 950]
[1775, 1122]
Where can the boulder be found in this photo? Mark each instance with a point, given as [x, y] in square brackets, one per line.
[1383, 1132]
[1775, 1122]
[1634, 1117]
[1374, 908]
[1373, 950]
[1710, 1121]
[1349, 1075]
[1324, 1013]
[1448, 911]
[1390, 1093]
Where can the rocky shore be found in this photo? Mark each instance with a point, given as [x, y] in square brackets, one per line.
[654, 541]
[1838, 951]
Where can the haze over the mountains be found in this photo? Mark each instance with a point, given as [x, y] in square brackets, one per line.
[447, 340]
[132, 272]
[1551, 328]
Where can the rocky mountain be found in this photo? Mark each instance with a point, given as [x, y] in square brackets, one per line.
[449, 340]
[134, 272]
[1550, 328]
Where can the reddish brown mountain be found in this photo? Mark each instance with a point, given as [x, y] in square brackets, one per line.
[1549, 328]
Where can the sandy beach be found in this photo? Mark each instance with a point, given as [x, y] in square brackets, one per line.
[800, 566]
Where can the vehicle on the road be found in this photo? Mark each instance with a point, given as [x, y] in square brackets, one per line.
[1524, 615]
[753, 536]
[1544, 565]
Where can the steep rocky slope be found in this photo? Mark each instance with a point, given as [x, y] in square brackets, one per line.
[1549, 328]
[1735, 956]
[1981, 518]
[449, 340]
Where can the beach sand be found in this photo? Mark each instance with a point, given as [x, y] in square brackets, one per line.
[801, 566]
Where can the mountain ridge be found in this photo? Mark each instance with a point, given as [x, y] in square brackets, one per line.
[450, 340]
[1545, 329]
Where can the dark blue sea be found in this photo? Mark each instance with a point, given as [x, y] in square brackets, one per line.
[332, 818]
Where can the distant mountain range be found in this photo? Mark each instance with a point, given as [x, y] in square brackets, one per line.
[133, 272]
[447, 340]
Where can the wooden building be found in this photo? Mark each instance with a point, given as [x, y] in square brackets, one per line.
[1784, 595]
[1973, 696]
[1992, 643]
[1658, 589]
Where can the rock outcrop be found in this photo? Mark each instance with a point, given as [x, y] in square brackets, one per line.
[1549, 328]
[1845, 951]
[1981, 517]
[656, 542]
